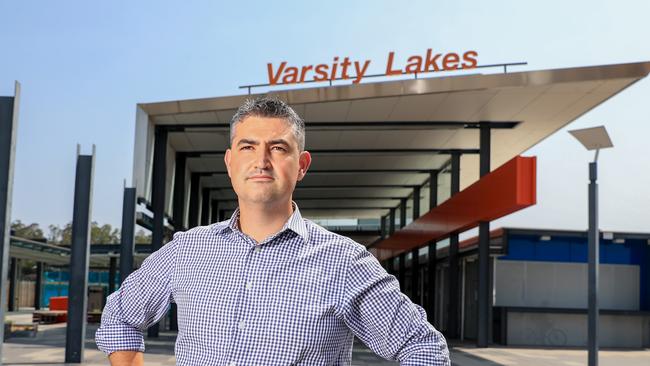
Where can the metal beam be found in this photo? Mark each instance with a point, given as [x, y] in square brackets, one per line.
[179, 192]
[112, 273]
[343, 171]
[13, 279]
[452, 290]
[415, 275]
[402, 213]
[391, 221]
[416, 203]
[347, 152]
[394, 186]
[8, 130]
[327, 198]
[127, 237]
[432, 256]
[38, 286]
[79, 256]
[193, 215]
[205, 206]
[382, 227]
[361, 125]
[214, 210]
[484, 293]
[158, 178]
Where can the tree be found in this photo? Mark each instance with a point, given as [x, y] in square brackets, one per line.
[31, 231]
[142, 238]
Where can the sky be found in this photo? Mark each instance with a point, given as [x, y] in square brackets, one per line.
[84, 66]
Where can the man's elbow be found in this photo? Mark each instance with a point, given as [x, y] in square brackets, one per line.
[126, 358]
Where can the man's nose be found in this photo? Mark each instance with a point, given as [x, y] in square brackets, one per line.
[263, 159]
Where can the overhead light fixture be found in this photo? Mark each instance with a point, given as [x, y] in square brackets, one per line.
[545, 238]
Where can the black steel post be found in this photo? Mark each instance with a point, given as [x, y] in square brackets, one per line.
[179, 192]
[112, 273]
[432, 256]
[401, 271]
[127, 237]
[391, 222]
[452, 290]
[158, 198]
[79, 257]
[193, 215]
[594, 258]
[402, 213]
[205, 206]
[484, 295]
[416, 203]
[382, 227]
[433, 189]
[13, 279]
[8, 128]
[38, 286]
[214, 211]
[415, 275]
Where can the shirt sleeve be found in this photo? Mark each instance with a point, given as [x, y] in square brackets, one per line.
[384, 318]
[141, 301]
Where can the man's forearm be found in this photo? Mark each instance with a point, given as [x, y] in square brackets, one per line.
[126, 358]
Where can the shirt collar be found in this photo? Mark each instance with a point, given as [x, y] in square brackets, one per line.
[295, 223]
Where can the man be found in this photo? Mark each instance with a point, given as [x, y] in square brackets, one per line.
[267, 287]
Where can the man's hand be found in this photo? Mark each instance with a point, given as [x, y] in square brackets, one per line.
[126, 358]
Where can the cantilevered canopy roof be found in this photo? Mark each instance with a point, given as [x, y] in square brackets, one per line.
[380, 139]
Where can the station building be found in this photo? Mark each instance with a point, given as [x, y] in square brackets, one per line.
[404, 167]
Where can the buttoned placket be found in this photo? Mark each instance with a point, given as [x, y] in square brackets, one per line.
[244, 298]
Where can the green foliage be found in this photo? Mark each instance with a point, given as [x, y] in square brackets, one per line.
[31, 231]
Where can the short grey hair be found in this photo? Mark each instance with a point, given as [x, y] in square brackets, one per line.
[270, 107]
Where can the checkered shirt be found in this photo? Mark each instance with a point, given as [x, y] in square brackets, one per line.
[297, 298]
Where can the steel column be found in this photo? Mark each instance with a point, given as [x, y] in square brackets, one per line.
[79, 257]
[391, 222]
[38, 286]
[13, 278]
[402, 213]
[193, 215]
[416, 202]
[214, 211]
[112, 273]
[205, 206]
[382, 227]
[432, 256]
[401, 271]
[159, 175]
[179, 192]
[452, 290]
[484, 295]
[594, 258]
[127, 238]
[415, 275]
[8, 129]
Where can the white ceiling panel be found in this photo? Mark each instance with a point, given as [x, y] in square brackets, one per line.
[327, 112]
[371, 110]
[416, 107]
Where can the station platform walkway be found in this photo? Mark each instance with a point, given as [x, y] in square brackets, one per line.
[48, 348]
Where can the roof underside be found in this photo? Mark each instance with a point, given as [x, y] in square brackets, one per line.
[433, 114]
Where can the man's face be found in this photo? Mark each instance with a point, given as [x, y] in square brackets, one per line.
[264, 162]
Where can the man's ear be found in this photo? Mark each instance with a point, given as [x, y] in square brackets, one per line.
[226, 159]
[304, 162]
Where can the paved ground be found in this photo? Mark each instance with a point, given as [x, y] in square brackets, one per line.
[47, 348]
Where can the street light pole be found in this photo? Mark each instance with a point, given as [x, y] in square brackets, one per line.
[594, 138]
[593, 263]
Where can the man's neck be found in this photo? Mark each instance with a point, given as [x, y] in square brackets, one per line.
[261, 221]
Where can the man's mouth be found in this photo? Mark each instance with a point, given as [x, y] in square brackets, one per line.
[260, 177]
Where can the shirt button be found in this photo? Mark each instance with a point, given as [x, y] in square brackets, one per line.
[249, 285]
[258, 249]
[242, 325]
[232, 364]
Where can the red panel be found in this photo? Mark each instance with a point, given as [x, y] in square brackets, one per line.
[507, 189]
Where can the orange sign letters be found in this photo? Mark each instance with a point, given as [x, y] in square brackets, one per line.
[356, 70]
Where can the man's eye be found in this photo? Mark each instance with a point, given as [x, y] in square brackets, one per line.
[248, 147]
[279, 148]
